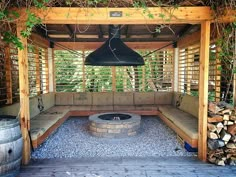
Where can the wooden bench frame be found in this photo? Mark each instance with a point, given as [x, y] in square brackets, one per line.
[181, 133]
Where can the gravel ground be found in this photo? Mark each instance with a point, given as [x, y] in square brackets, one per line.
[72, 140]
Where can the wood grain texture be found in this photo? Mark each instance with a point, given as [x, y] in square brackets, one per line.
[70, 15]
[203, 90]
[24, 94]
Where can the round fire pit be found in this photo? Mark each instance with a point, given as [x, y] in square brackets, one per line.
[114, 125]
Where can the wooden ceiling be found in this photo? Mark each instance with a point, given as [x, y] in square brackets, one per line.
[129, 33]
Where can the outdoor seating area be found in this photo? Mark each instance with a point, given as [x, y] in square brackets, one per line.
[113, 65]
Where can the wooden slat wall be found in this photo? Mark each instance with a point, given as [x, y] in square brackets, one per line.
[9, 73]
[189, 71]
[73, 76]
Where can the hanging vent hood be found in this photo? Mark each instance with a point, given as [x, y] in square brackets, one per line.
[114, 52]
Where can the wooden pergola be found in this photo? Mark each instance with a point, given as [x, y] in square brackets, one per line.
[182, 15]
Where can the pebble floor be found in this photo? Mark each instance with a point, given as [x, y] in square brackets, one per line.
[72, 140]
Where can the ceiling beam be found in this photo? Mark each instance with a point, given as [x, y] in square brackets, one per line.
[73, 15]
[71, 31]
[100, 32]
[127, 31]
[95, 45]
[185, 30]
[104, 39]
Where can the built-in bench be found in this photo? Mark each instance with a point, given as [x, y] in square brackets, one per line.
[178, 111]
[182, 117]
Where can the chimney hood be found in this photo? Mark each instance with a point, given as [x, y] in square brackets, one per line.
[114, 52]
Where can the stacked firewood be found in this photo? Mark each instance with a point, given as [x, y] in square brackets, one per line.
[221, 134]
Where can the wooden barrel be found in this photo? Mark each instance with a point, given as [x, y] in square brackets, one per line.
[11, 144]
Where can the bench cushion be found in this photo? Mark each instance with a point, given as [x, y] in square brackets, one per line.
[189, 104]
[186, 122]
[102, 99]
[144, 98]
[163, 98]
[83, 98]
[41, 123]
[64, 99]
[123, 98]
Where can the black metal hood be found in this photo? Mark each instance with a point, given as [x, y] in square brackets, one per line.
[114, 52]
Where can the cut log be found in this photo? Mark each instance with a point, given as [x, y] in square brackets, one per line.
[232, 117]
[219, 127]
[216, 118]
[211, 127]
[230, 123]
[231, 145]
[212, 160]
[233, 139]
[232, 129]
[225, 136]
[215, 144]
[226, 117]
[212, 135]
[213, 107]
[220, 162]
[228, 111]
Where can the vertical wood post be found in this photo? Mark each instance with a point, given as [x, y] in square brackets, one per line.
[24, 94]
[218, 75]
[125, 79]
[83, 71]
[113, 68]
[8, 75]
[203, 90]
[46, 71]
[37, 65]
[143, 78]
[176, 69]
[51, 69]
[189, 69]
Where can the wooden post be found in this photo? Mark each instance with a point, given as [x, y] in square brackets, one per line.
[125, 79]
[203, 90]
[46, 70]
[218, 75]
[8, 75]
[37, 67]
[143, 78]
[83, 71]
[113, 68]
[176, 69]
[189, 69]
[24, 94]
[51, 69]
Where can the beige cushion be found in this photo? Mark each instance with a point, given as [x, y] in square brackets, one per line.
[64, 99]
[84, 98]
[102, 98]
[124, 108]
[123, 98]
[144, 98]
[183, 120]
[102, 108]
[163, 97]
[39, 127]
[189, 104]
[146, 107]
[62, 110]
[80, 108]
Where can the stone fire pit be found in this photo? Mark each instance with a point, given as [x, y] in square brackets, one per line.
[114, 125]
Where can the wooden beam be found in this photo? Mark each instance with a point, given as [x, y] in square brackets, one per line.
[73, 15]
[95, 45]
[93, 38]
[38, 40]
[100, 32]
[71, 31]
[8, 75]
[24, 94]
[203, 90]
[189, 40]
